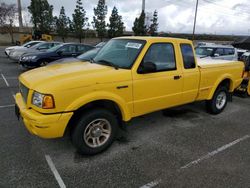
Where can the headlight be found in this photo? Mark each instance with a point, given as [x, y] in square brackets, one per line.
[29, 57]
[44, 101]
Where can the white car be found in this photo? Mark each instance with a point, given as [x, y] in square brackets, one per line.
[226, 52]
[43, 46]
[26, 45]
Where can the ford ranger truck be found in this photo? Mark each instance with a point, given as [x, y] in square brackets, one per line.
[129, 77]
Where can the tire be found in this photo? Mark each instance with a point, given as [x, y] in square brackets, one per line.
[219, 101]
[43, 62]
[95, 131]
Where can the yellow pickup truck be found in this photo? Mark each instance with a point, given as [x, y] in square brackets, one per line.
[129, 77]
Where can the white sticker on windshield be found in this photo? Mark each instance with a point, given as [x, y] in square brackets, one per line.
[133, 45]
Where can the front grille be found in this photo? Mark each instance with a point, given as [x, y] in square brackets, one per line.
[24, 91]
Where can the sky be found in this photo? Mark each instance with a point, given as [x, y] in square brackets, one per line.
[230, 17]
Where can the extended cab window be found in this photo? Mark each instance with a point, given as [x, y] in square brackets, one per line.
[188, 56]
[162, 56]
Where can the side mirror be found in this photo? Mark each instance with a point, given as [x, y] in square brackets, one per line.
[28, 46]
[216, 55]
[59, 52]
[146, 67]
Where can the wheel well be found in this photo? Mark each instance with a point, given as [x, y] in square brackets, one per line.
[227, 82]
[106, 104]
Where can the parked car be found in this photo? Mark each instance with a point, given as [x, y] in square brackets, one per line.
[87, 56]
[226, 52]
[55, 53]
[26, 45]
[129, 77]
[43, 46]
[240, 52]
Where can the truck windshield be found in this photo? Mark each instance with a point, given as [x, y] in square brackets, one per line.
[203, 51]
[120, 52]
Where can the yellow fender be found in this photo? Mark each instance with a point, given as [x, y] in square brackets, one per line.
[102, 95]
[218, 82]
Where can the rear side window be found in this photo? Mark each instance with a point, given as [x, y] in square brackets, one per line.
[219, 51]
[229, 51]
[188, 56]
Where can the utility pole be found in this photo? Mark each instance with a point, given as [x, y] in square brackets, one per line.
[196, 8]
[143, 5]
[20, 18]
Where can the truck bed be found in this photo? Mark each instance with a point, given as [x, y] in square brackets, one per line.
[211, 72]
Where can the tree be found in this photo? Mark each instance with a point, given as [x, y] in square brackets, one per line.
[41, 15]
[100, 13]
[62, 24]
[7, 16]
[154, 25]
[116, 25]
[79, 20]
[139, 27]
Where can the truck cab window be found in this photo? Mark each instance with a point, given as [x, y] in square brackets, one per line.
[188, 56]
[162, 56]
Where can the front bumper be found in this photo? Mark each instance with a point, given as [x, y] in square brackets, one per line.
[13, 57]
[42, 125]
[28, 63]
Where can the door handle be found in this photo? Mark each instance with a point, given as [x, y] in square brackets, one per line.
[177, 77]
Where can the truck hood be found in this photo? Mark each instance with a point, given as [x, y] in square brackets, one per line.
[71, 75]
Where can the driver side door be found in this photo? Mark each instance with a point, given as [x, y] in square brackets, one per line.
[159, 88]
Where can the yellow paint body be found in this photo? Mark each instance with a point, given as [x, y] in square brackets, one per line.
[74, 85]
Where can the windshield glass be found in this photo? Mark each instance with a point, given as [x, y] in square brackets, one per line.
[120, 52]
[54, 48]
[38, 45]
[203, 51]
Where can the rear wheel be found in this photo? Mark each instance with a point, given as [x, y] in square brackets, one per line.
[43, 62]
[219, 101]
[95, 131]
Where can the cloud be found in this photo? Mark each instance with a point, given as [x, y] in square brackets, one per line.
[214, 16]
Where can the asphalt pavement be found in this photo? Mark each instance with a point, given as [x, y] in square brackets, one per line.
[179, 147]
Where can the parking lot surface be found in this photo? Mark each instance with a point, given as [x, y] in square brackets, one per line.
[180, 147]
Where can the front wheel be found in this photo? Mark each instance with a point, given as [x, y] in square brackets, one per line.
[43, 62]
[219, 101]
[95, 131]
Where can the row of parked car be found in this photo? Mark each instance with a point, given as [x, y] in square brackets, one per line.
[40, 53]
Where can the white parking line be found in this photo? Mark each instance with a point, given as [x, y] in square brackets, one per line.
[151, 184]
[211, 154]
[55, 172]
[6, 106]
[6, 82]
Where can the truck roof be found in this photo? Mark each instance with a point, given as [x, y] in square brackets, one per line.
[158, 39]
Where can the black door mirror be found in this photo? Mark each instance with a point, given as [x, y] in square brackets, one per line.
[146, 67]
[59, 52]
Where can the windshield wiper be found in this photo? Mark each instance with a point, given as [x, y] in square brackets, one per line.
[92, 60]
[105, 62]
